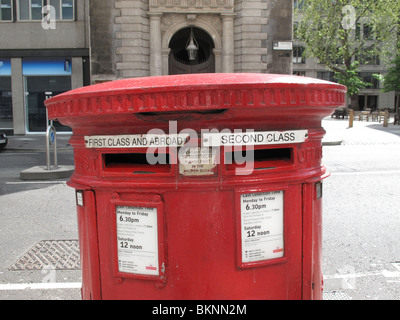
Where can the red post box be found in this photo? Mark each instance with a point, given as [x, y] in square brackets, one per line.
[204, 186]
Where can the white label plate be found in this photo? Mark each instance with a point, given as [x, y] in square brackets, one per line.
[262, 226]
[253, 138]
[136, 141]
[137, 240]
[198, 162]
[79, 198]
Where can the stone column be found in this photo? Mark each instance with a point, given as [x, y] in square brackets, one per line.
[18, 96]
[155, 44]
[227, 42]
[218, 60]
[77, 73]
[165, 61]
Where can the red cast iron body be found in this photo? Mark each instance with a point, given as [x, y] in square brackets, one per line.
[198, 220]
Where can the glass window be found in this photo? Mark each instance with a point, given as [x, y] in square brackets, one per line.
[299, 73]
[5, 10]
[6, 116]
[30, 9]
[299, 4]
[295, 30]
[36, 9]
[64, 9]
[38, 89]
[44, 78]
[24, 9]
[368, 31]
[368, 58]
[57, 7]
[67, 9]
[326, 75]
[298, 55]
[370, 78]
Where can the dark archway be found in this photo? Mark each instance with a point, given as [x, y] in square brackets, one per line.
[179, 62]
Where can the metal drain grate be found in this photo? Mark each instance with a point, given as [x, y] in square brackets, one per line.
[56, 254]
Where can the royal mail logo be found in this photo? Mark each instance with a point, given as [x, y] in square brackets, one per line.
[151, 268]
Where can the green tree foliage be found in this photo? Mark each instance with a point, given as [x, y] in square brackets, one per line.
[391, 81]
[331, 32]
[351, 80]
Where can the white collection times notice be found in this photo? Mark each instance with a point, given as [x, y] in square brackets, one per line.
[137, 240]
[262, 226]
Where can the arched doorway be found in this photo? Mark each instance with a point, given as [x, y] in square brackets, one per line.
[178, 60]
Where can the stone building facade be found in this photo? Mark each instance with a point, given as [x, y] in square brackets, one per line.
[39, 59]
[133, 38]
[46, 51]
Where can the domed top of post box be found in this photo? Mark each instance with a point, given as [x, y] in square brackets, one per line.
[196, 92]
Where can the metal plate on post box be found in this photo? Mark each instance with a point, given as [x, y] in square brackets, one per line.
[79, 198]
[254, 138]
[198, 162]
[137, 240]
[136, 141]
[261, 221]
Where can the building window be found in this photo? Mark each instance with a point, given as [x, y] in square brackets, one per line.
[298, 55]
[370, 78]
[295, 30]
[64, 9]
[299, 4]
[326, 75]
[299, 73]
[365, 31]
[368, 31]
[32, 9]
[44, 78]
[366, 58]
[6, 115]
[5, 10]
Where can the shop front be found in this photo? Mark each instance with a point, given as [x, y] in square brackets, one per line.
[44, 78]
[6, 115]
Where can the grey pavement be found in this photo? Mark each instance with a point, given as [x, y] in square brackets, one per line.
[37, 143]
[362, 132]
[48, 213]
[360, 220]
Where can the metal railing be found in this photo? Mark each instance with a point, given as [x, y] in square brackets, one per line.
[51, 139]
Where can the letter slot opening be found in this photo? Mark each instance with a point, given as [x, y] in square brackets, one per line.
[137, 163]
[263, 159]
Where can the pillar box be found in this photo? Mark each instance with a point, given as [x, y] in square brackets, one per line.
[202, 186]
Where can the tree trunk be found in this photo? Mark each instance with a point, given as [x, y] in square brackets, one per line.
[354, 102]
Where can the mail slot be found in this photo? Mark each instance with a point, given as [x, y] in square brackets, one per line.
[135, 163]
[205, 186]
[264, 159]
